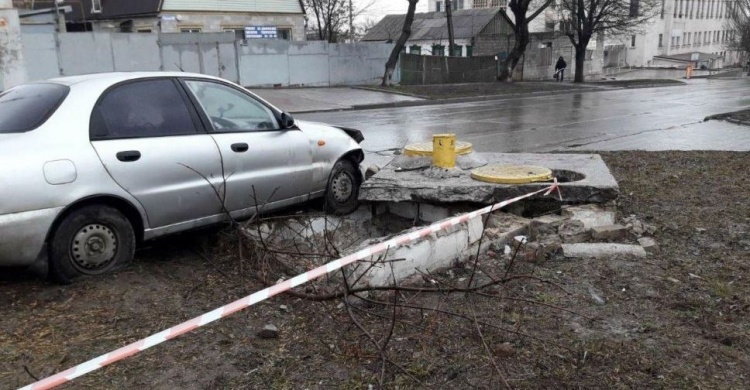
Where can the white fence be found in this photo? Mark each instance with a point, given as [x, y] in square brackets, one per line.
[253, 63]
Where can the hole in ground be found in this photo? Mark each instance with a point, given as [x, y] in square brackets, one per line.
[566, 176]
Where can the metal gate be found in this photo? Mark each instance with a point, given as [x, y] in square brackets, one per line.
[207, 53]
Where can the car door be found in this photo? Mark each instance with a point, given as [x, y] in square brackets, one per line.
[261, 160]
[151, 141]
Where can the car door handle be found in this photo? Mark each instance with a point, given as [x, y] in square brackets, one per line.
[129, 155]
[240, 147]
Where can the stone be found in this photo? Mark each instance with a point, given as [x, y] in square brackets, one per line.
[597, 296]
[591, 215]
[284, 308]
[269, 331]
[504, 350]
[574, 231]
[602, 250]
[649, 244]
[700, 230]
[650, 229]
[608, 232]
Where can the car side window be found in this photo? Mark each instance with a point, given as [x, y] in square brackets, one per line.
[231, 110]
[149, 108]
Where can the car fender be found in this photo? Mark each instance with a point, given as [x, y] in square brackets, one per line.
[328, 144]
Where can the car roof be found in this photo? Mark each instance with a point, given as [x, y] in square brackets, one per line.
[117, 77]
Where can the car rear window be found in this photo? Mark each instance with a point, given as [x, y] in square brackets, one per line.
[26, 107]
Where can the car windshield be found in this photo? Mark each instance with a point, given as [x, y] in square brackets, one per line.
[26, 107]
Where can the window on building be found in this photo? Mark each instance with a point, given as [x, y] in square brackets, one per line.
[661, 37]
[438, 50]
[662, 9]
[458, 50]
[460, 4]
[454, 3]
[190, 29]
[680, 11]
[144, 30]
[632, 41]
[438, 6]
[415, 49]
[469, 50]
[674, 11]
[671, 42]
[239, 33]
[284, 33]
[499, 3]
[634, 8]
[479, 4]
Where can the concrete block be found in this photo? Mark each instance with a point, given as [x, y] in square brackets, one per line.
[649, 244]
[591, 215]
[475, 228]
[574, 231]
[600, 250]
[594, 182]
[609, 232]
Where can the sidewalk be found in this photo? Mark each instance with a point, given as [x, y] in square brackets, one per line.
[298, 100]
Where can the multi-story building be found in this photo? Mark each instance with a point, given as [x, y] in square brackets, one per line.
[683, 32]
[286, 18]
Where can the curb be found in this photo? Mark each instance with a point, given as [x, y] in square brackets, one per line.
[428, 102]
[469, 99]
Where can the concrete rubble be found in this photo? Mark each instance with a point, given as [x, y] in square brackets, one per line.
[602, 250]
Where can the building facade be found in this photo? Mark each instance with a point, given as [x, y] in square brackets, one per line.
[286, 17]
[683, 32]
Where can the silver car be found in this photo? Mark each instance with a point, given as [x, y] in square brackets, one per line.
[93, 165]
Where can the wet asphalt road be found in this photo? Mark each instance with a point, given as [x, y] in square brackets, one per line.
[663, 118]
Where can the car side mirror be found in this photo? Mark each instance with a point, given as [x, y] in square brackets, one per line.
[286, 121]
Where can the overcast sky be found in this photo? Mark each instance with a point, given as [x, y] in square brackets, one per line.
[380, 8]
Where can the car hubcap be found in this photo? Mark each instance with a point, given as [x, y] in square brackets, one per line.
[342, 187]
[93, 248]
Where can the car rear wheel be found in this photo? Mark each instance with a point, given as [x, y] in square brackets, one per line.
[342, 192]
[91, 240]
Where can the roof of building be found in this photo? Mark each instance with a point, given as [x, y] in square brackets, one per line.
[119, 9]
[467, 23]
[688, 57]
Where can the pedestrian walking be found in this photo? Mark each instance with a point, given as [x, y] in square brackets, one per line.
[560, 69]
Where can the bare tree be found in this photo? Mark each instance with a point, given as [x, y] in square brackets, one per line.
[449, 16]
[520, 9]
[330, 19]
[738, 25]
[584, 19]
[390, 65]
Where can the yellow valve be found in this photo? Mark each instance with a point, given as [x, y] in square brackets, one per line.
[444, 150]
[424, 149]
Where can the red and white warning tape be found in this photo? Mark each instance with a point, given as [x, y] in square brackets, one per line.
[187, 326]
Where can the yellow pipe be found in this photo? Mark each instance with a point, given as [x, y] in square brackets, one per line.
[444, 150]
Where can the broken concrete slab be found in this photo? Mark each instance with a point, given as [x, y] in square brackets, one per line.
[649, 244]
[463, 161]
[574, 231]
[592, 215]
[602, 250]
[609, 232]
[583, 178]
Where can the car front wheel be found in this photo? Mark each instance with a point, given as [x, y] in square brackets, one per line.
[343, 188]
[91, 240]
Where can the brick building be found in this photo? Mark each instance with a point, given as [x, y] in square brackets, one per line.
[287, 17]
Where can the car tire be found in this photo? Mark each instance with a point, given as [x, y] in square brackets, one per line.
[342, 192]
[91, 240]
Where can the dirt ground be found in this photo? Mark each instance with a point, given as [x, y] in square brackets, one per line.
[677, 319]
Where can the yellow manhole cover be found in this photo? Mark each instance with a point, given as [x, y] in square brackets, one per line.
[512, 174]
[425, 149]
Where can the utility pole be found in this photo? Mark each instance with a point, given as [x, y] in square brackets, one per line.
[351, 22]
[449, 15]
